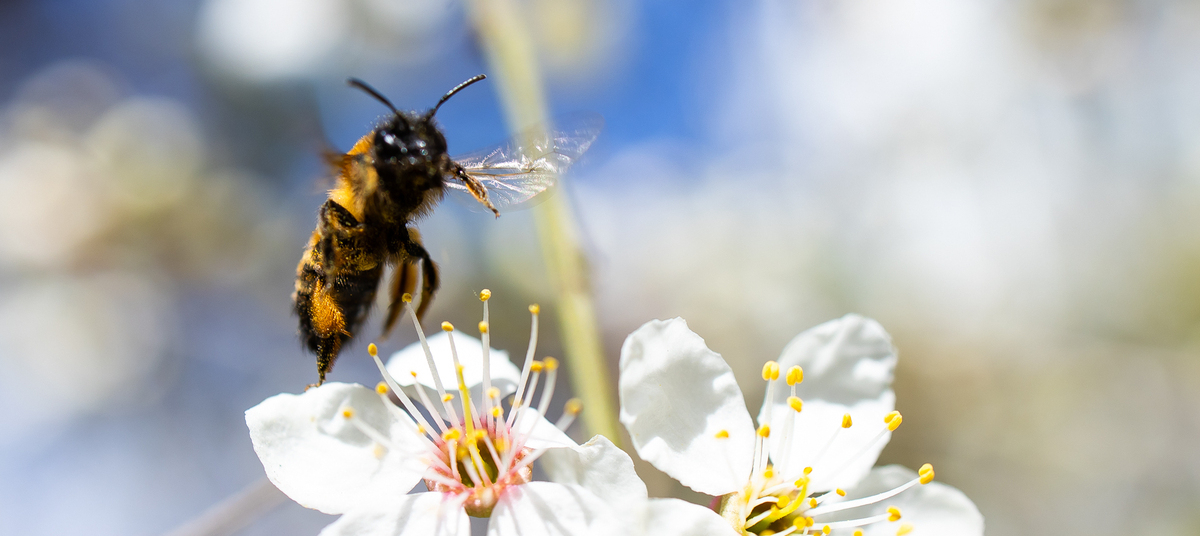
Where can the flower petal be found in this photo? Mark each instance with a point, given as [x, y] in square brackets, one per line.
[844, 361]
[602, 468]
[320, 460]
[840, 457]
[848, 366]
[932, 509]
[540, 433]
[673, 517]
[677, 397]
[549, 509]
[402, 364]
[420, 514]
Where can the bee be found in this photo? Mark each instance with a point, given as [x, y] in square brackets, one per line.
[390, 178]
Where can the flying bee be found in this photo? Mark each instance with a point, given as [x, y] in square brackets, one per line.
[391, 177]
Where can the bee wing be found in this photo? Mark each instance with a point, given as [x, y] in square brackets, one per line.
[515, 172]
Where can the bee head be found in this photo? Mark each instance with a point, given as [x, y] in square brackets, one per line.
[408, 138]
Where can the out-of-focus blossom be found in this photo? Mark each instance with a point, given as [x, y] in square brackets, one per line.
[277, 40]
[345, 449]
[110, 205]
[808, 466]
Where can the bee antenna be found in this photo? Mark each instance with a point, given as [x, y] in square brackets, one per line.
[451, 93]
[354, 82]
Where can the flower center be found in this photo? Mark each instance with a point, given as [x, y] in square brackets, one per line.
[475, 455]
[769, 504]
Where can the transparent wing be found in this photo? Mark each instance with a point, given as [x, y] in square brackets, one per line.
[515, 172]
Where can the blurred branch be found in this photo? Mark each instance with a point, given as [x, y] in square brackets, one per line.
[511, 53]
[234, 513]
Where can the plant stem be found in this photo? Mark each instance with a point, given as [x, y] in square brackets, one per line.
[505, 37]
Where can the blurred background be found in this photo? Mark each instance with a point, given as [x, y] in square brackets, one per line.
[1012, 188]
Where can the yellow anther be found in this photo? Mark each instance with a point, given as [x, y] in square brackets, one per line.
[809, 521]
[722, 434]
[812, 503]
[451, 435]
[764, 431]
[480, 434]
[893, 513]
[379, 451]
[858, 532]
[802, 481]
[381, 388]
[926, 473]
[888, 418]
[496, 411]
[485, 294]
[770, 371]
[483, 326]
[413, 372]
[795, 375]
[535, 309]
[406, 297]
[446, 326]
[846, 422]
[348, 413]
[372, 350]
[536, 366]
[447, 397]
[767, 532]
[841, 492]
[769, 472]
[795, 403]
[501, 444]
[807, 471]
[782, 501]
[493, 393]
[826, 529]
[800, 522]
[573, 406]
[894, 423]
[421, 429]
[904, 529]
[551, 363]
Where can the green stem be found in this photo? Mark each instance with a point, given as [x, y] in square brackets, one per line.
[505, 37]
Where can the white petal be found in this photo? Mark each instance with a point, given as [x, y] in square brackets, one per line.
[848, 365]
[844, 361]
[316, 457]
[673, 517]
[420, 514]
[540, 432]
[932, 509]
[549, 509]
[602, 468]
[676, 396]
[411, 359]
[840, 457]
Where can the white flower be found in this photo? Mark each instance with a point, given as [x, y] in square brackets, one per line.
[807, 467]
[346, 449]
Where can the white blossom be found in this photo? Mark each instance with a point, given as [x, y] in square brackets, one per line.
[346, 449]
[807, 467]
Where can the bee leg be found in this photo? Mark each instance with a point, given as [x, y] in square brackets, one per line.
[404, 281]
[476, 188]
[429, 273]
